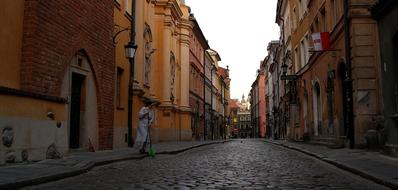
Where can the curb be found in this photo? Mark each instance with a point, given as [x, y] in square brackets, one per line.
[87, 166]
[340, 165]
[192, 147]
[65, 174]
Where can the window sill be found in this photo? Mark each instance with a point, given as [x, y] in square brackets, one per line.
[117, 4]
[128, 15]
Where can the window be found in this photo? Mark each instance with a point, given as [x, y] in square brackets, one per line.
[303, 53]
[333, 5]
[294, 18]
[303, 4]
[306, 45]
[301, 10]
[286, 31]
[296, 60]
[128, 4]
[323, 20]
[316, 25]
[118, 87]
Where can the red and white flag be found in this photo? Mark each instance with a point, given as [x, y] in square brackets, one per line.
[321, 41]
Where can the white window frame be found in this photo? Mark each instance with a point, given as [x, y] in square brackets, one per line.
[297, 64]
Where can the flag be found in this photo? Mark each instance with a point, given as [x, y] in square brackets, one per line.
[321, 41]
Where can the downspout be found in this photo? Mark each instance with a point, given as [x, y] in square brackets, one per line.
[131, 81]
[349, 117]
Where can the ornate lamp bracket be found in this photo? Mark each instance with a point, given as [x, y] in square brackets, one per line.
[117, 29]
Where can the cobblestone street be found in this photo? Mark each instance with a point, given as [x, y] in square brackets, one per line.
[246, 164]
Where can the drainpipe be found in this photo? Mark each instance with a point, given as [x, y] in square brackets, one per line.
[131, 81]
[349, 117]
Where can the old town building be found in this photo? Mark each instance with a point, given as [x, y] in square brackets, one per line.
[244, 119]
[56, 78]
[275, 91]
[198, 47]
[208, 88]
[163, 37]
[267, 93]
[66, 83]
[385, 12]
[257, 102]
[214, 106]
[224, 97]
[254, 104]
[171, 49]
[161, 31]
[337, 88]
[234, 128]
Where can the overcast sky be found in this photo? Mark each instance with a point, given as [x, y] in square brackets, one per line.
[239, 31]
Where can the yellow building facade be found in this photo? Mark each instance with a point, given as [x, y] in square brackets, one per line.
[161, 68]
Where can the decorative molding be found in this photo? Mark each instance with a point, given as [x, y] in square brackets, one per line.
[137, 90]
[171, 11]
[22, 93]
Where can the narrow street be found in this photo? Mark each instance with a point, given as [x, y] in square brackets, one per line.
[239, 164]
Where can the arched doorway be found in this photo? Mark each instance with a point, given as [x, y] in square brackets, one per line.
[317, 108]
[395, 70]
[80, 87]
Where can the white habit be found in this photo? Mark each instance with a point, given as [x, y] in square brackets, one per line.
[144, 122]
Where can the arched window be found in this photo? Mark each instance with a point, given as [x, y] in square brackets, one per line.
[317, 108]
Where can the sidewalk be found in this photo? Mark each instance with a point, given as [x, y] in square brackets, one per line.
[370, 165]
[20, 175]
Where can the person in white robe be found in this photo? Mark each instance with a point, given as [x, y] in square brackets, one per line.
[145, 117]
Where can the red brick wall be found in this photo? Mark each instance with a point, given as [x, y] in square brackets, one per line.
[54, 30]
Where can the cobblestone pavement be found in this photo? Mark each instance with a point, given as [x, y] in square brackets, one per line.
[246, 164]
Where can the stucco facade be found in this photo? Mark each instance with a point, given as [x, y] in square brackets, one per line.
[198, 47]
[323, 89]
[162, 34]
[244, 121]
[258, 104]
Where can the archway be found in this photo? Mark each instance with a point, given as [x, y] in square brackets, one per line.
[80, 87]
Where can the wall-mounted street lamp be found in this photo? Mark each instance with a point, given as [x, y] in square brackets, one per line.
[284, 69]
[291, 84]
[130, 50]
[284, 72]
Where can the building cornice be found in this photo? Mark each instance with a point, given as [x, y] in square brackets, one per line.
[170, 9]
[22, 93]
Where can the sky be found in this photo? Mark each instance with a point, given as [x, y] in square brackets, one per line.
[239, 31]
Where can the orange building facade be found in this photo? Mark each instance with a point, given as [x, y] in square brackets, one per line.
[331, 107]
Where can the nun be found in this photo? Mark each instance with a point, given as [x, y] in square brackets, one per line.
[145, 119]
